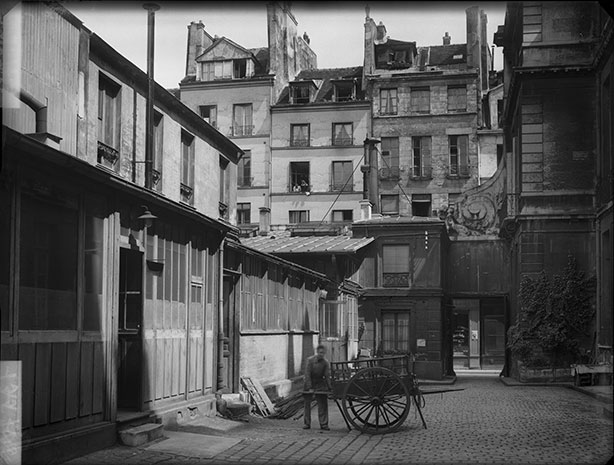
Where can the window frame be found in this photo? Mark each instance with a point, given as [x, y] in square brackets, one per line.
[397, 328]
[413, 100]
[247, 126]
[450, 98]
[390, 197]
[243, 207]
[300, 213]
[348, 141]
[294, 177]
[394, 101]
[294, 142]
[343, 212]
[348, 184]
[245, 179]
[158, 149]
[188, 142]
[208, 119]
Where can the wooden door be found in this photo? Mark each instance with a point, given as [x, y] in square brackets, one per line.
[129, 329]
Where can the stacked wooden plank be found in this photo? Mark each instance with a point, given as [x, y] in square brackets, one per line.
[291, 406]
[261, 400]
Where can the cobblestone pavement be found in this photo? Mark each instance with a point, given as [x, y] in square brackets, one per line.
[487, 423]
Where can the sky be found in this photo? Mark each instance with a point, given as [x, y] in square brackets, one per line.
[335, 28]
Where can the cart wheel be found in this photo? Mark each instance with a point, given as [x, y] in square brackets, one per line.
[376, 400]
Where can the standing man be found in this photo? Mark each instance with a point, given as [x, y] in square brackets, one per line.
[317, 378]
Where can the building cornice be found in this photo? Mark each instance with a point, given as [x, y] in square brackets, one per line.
[321, 106]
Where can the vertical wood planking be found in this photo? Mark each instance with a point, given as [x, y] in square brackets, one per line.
[182, 364]
[58, 382]
[149, 384]
[27, 357]
[98, 378]
[85, 384]
[199, 363]
[176, 363]
[160, 368]
[168, 362]
[192, 365]
[42, 378]
[72, 380]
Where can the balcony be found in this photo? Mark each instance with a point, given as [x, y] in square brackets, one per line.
[245, 181]
[390, 174]
[396, 280]
[458, 171]
[241, 131]
[418, 173]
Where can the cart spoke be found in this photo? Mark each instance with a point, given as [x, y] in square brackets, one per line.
[360, 410]
[385, 415]
[392, 411]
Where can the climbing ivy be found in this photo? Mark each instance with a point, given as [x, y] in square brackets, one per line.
[555, 315]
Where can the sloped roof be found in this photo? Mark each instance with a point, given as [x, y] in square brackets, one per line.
[262, 55]
[307, 244]
[327, 76]
[444, 54]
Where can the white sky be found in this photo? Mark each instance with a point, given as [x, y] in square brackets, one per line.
[335, 28]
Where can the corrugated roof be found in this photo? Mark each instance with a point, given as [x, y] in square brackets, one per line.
[309, 244]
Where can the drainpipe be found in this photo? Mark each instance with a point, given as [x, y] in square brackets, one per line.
[221, 340]
[39, 108]
[151, 22]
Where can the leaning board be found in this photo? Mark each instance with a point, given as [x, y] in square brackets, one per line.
[262, 401]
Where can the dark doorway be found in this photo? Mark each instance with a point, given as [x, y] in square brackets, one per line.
[129, 329]
[230, 333]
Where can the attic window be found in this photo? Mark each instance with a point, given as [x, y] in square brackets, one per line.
[457, 57]
[300, 93]
[227, 69]
[344, 91]
[240, 68]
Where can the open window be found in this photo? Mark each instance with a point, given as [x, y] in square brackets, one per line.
[301, 92]
[109, 113]
[299, 177]
[344, 91]
[209, 114]
[421, 205]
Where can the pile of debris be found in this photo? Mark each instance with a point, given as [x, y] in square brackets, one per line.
[291, 406]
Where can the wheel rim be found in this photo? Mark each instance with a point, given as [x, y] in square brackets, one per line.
[376, 400]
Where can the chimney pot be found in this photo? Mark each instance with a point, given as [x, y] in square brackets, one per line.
[264, 227]
[447, 39]
[365, 210]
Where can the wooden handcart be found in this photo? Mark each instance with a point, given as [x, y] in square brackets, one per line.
[376, 393]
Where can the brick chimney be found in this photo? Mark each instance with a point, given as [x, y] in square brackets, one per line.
[447, 39]
[369, 50]
[198, 41]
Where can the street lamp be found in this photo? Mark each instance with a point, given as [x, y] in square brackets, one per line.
[147, 217]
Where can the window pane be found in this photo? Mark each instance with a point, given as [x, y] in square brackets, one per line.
[420, 100]
[395, 258]
[342, 134]
[402, 339]
[390, 152]
[299, 135]
[48, 266]
[94, 230]
[390, 204]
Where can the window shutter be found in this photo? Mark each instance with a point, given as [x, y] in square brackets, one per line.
[462, 148]
[426, 153]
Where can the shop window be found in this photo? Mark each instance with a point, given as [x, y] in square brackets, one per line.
[49, 239]
[395, 265]
[388, 101]
[298, 216]
[209, 114]
[395, 332]
[299, 135]
[420, 99]
[457, 98]
[390, 204]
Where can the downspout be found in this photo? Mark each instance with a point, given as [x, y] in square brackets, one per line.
[220, 324]
[151, 21]
[39, 108]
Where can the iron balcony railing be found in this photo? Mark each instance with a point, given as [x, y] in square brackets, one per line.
[299, 142]
[396, 279]
[458, 171]
[242, 130]
[343, 141]
[420, 172]
[390, 174]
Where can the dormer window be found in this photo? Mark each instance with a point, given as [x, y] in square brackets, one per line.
[344, 91]
[300, 93]
[227, 69]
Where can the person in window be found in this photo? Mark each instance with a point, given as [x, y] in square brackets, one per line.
[304, 186]
[317, 382]
[296, 188]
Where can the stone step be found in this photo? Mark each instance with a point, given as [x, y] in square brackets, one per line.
[139, 435]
